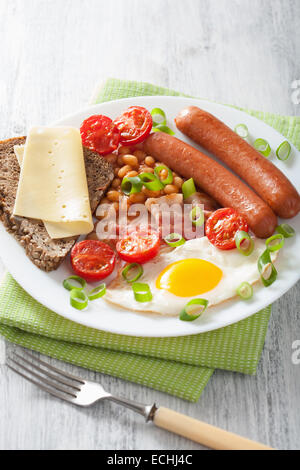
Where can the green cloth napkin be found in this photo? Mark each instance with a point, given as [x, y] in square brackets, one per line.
[180, 366]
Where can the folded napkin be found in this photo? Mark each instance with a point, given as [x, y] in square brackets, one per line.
[179, 366]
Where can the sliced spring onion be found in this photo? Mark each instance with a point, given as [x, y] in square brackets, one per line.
[244, 243]
[245, 291]
[151, 181]
[263, 147]
[135, 271]
[284, 150]
[159, 117]
[242, 130]
[98, 292]
[279, 242]
[188, 188]
[79, 283]
[78, 299]
[131, 185]
[142, 292]
[174, 239]
[197, 216]
[266, 269]
[193, 309]
[163, 128]
[168, 179]
[286, 230]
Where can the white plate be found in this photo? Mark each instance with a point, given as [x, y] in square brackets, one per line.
[48, 290]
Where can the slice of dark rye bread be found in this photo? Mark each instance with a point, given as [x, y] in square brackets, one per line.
[44, 252]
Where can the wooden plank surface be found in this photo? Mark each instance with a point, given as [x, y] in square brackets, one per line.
[244, 52]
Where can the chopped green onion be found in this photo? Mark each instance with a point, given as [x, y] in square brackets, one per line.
[188, 188]
[174, 239]
[163, 128]
[263, 147]
[98, 292]
[78, 299]
[197, 216]
[168, 179]
[78, 280]
[150, 181]
[284, 150]
[242, 130]
[193, 309]
[286, 230]
[245, 291]
[268, 273]
[142, 292]
[132, 267]
[131, 185]
[279, 239]
[159, 117]
[244, 243]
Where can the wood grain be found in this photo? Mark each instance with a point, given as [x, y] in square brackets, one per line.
[243, 52]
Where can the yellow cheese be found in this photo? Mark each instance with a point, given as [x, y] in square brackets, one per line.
[54, 229]
[19, 152]
[53, 185]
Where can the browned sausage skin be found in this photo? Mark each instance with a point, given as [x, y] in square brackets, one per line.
[261, 174]
[226, 188]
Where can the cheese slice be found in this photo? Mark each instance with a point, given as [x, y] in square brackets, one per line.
[53, 185]
[19, 152]
[56, 229]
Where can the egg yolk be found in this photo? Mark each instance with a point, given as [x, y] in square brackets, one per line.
[189, 277]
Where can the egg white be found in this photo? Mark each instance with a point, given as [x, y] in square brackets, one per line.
[235, 267]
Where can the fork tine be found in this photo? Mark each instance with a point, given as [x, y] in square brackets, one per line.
[41, 386]
[47, 373]
[56, 386]
[54, 369]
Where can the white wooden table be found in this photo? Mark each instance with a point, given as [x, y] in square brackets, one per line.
[244, 52]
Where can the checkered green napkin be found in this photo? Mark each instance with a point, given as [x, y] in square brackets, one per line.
[180, 366]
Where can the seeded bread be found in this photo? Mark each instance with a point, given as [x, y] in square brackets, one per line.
[45, 253]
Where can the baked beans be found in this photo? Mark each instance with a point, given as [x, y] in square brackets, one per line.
[140, 155]
[124, 170]
[116, 183]
[150, 161]
[170, 189]
[130, 160]
[131, 164]
[113, 196]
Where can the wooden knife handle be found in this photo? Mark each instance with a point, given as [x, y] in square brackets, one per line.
[205, 434]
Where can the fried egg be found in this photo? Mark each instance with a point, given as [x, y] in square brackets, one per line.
[196, 269]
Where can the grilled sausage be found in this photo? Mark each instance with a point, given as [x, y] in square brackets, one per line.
[261, 174]
[203, 199]
[222, 185]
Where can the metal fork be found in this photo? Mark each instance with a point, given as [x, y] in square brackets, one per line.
[84, 393]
